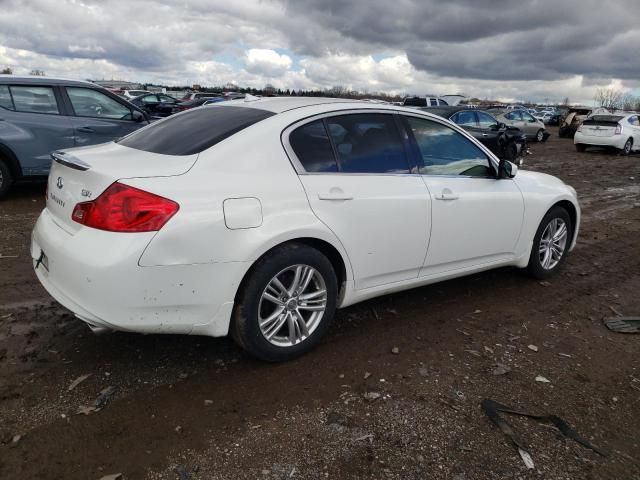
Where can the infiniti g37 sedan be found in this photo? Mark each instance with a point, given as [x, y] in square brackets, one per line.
[260, 217]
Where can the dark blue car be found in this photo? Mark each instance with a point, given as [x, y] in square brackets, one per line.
[39, 115]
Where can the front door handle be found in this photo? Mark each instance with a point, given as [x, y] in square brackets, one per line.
[335, 196]
[447, 195]
[86, 129]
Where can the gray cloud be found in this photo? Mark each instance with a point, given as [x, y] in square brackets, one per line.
[459, 44]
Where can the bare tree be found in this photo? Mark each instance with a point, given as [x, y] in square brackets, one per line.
[37, 73]
[609, 98]
[7, 71]
[565, 102]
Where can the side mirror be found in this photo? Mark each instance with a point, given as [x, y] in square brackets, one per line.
[506, 169]
[137, 116]
[502, 126]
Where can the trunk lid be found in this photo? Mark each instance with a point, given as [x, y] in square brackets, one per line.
[82, 174]
[601, 125]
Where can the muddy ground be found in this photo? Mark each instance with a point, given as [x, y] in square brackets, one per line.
[194, 407]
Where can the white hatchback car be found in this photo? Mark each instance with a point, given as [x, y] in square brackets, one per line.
[261, 217]
[609, 130]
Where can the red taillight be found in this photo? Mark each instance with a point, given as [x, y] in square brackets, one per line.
[121, 208]
[618, 129]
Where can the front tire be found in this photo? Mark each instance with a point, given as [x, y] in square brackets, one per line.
[6, 178]
[626, 150]
[540, 135]
[550, 244]
[286, 304]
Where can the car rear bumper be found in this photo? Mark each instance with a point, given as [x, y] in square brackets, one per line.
[616, 141]
[96, 275]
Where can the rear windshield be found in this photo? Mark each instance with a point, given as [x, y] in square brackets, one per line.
[603, 119]
[195, 130]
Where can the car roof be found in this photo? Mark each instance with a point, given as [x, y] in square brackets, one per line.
[38, 80]
[447, 111]
[284, 104]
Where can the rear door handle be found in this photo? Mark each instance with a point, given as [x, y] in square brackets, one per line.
[86, 129]
[485, 134]
[335, 196]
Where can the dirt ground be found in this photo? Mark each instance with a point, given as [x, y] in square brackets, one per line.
[193, 407]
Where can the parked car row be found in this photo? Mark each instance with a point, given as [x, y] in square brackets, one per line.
[40, 114]
[506, 142]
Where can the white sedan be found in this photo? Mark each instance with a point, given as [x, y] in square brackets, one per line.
[621, 132]
[260, 217]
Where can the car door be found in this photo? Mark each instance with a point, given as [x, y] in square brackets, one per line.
[98, 117]
[355, 171]
[530, 124]
[32, 125]
[489, 130]
[475, 218]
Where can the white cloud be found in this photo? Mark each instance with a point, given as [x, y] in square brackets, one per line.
[267, 62]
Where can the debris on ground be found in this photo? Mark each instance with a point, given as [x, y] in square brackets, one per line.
[372, 396]
[492, 409]
[542, 379]
[113, 476]
[182, 472]
[101, 401]
[395, 350]
[532, 348]
[78, 381]
[500, 369]
[623, 324]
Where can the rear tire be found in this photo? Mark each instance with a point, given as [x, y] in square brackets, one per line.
[540, 135]
[550, 246]
[580, 147]
[6, 178]
[626, 150]
[276, 321]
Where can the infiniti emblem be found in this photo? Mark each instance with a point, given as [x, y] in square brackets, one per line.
[60, 183]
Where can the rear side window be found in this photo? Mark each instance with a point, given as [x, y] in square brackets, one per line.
[465, 119]
[312, 146]
[195, 130]
[368, 143]
[634, 121]
[34, 99]
[5, 98]
[434, 102]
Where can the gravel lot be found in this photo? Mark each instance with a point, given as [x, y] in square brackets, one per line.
[193, 407]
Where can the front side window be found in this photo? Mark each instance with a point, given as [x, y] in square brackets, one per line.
[87, 102]
[528, 118]
[368, 143]
[443, 151]
[149, 99]
[312, 146]
[486, 121]
[166, 99]
[5, 98]
[634, 121]
[34, 99]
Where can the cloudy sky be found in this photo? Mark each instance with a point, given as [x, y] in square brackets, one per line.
[540, 50]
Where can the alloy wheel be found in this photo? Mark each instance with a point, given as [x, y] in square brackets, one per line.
[627, 147]
[540, 135]
[292, 305]
[552, 243]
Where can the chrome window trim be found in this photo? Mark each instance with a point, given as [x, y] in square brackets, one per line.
[300, 170]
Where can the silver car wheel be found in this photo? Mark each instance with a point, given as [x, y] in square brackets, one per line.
[627, 147]
[540, 135]
[553, 243]
[292, 305]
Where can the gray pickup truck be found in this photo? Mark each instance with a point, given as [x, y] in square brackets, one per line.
[39, 115]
